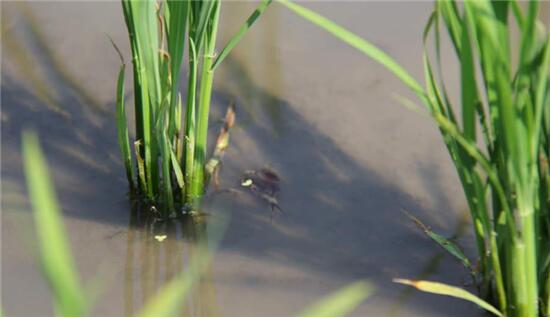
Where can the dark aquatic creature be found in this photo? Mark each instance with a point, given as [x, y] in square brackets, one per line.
[264, 183]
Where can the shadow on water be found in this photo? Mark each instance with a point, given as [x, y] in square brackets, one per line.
[75, 129]
[343, 221]
[340, 218]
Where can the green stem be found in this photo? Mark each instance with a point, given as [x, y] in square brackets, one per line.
[207, 78]
[190, 121]
[530, 261]
[168, 208]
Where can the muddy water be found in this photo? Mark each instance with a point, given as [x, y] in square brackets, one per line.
[314, 110]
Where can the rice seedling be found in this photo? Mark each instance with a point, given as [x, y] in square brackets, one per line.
[170, 155]
[68, 293]
[504, 172]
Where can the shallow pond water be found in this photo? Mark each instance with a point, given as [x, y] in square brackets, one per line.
[308, 107]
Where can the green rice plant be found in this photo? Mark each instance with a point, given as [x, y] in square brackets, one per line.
[504, 172]
[171, 156]
[59, 270]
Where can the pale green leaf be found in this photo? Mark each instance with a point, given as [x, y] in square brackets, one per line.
[448, 290]
[341, 302]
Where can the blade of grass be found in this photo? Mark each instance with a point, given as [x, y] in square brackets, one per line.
[122, 127]
[207, 78]
[190, 118]
[341, 302]
[177, 27]
[358, 43]
[177, 170]
[55, 254]
[242, 31]
[140, 164]
[445, 243]
[448, 290]
[450, 14]
[123, 139]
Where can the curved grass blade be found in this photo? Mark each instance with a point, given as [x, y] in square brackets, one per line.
[177, 169]
[123, 139]
[341, 302]
[451, 16]
[447, 244]
[55, 254]
[242, 31]
[448, 290]
[122, 127]
[177, 11]
[541, 91]
[203, 12]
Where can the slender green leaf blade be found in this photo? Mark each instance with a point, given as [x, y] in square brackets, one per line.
[341, 302]
[242, 31]
[123, 139]
[448, 290]
[447, 244]
[358, 43]
[177, 169]
[140, 164]
[55, 254]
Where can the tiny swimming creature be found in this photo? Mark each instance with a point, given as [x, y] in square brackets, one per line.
[264, 183]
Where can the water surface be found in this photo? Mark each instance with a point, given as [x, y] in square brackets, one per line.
[309, 107]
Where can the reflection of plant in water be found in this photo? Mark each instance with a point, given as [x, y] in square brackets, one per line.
[157, 251]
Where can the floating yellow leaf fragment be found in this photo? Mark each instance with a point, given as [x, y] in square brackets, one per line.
[160, 238]
[246, 183]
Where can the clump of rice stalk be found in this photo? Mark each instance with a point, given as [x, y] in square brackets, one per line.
[170, 155]
[504, 169]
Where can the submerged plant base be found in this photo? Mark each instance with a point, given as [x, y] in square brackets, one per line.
[143, 205]
[192, 224]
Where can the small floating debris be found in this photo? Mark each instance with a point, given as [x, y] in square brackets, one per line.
[160, 238]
